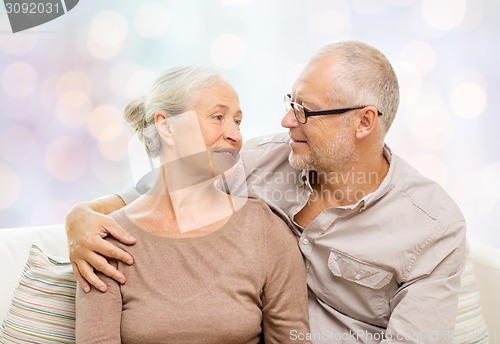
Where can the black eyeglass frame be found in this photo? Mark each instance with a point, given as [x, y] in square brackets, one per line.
[287, 100]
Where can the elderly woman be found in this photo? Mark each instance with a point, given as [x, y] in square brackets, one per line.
[209, 267]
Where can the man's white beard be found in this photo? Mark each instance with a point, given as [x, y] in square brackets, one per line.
[333, 156]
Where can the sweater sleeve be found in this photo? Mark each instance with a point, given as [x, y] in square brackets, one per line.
[98, 315]
[284, 299]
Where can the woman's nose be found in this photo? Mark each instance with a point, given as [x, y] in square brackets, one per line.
[232, 133]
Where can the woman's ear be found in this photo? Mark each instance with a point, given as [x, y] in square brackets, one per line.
[164, 127]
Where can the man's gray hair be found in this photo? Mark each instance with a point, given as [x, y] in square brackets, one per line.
[363, 76]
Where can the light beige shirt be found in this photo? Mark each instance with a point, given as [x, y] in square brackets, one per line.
[384, 270]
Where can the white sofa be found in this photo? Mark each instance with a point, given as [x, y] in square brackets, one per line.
[15, 244]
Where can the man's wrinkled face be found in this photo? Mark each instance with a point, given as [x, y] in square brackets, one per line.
[324, 143]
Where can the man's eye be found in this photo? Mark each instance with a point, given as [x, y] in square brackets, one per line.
[217, 117]
[238, 122]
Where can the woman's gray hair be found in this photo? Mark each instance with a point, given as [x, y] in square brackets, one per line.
[172, 92]
[363, 76]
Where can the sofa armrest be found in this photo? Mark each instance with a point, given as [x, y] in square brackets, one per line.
[486, 261]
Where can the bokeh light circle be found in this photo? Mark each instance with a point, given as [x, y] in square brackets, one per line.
[468, 99]
[74, 81]
[107, 33]
[116, 149]
[73, 108]
[105, 122]
[443, 15]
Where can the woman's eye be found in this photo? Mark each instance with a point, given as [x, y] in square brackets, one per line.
[238, 122]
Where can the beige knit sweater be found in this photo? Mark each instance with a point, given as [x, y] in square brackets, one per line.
[243, 282]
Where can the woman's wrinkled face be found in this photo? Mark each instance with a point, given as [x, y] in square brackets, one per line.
[212, 126]
[219, 116]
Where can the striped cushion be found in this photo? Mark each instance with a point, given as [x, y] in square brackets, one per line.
[43, 305]
[470, 327]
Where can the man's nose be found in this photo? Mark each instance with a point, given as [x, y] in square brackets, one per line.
[289, 120]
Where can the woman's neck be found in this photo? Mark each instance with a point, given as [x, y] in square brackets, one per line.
[188, 211]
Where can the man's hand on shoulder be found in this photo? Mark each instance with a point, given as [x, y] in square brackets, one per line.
[86, 227]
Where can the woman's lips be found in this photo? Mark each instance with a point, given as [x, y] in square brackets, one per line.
[229, 152]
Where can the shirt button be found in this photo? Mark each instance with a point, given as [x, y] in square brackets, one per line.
[357, 276]
[305, 241]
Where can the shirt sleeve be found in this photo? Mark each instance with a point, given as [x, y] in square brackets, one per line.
[424, 309]
[129, 195]
[284, 297]
[98, 315]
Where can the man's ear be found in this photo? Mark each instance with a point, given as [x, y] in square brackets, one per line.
[164, 127]
[366, 122]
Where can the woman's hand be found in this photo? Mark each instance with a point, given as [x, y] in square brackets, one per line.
[86, 228]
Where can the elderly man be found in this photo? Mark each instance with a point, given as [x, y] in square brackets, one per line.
[383, 246]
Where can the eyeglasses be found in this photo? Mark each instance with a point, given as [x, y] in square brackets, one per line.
[301, 113]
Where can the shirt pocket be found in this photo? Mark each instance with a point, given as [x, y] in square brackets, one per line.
[358, 271]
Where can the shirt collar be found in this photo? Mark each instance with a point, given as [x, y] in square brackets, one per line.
[386, 185]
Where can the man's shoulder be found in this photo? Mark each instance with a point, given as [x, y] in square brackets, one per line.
[266, 153]
[426, 194]
[268, 141]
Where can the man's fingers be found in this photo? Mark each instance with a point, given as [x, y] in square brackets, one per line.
[101, 264]
[87, 272]
[119, 233]
[107, 249]
[81, 281]
[86, 231]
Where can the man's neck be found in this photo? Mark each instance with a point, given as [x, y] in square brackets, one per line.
[349, 186]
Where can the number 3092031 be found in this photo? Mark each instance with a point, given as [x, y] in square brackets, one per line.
[32, 8]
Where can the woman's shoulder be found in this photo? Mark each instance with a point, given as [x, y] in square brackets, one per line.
[272, 225]
[258, 209]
